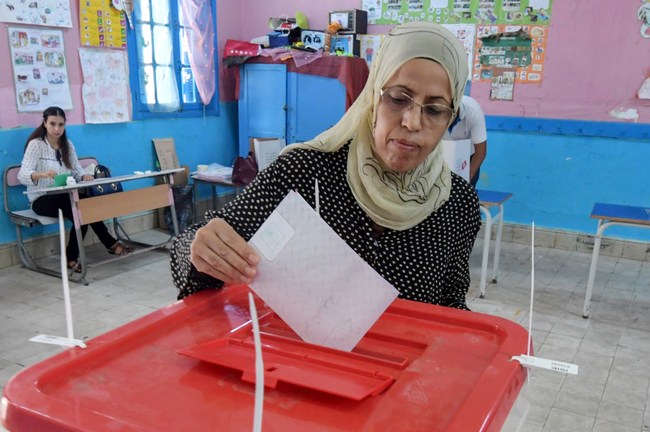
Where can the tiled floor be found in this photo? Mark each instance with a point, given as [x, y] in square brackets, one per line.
[612, 348]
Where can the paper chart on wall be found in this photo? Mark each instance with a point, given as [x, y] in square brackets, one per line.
[529, 49]
[313, 280]
[104, 89]
[101, 24]
[485, 12]
[39, 69]
[51, 13]
[373, 8]
[369, 47]
[466, 33]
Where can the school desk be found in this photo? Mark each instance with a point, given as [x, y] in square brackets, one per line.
[190, 367]
[609, 215]
[111, 206]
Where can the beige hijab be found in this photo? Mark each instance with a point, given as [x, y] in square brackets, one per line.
[396, 200]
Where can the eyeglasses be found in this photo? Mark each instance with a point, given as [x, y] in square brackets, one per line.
[398, 102]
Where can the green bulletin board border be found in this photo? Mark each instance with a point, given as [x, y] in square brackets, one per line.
[449, 16]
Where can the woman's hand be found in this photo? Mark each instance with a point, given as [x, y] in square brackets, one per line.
[45, 174]
[87, 177]
[220, 252]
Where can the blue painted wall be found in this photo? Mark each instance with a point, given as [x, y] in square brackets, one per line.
[556, 179]
[127, 147]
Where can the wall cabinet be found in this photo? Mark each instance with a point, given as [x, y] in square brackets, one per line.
[275, 103]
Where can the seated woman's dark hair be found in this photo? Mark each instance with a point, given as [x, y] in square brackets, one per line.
[41, 132]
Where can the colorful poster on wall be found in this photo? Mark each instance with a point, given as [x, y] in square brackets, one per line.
[466, 33]
[51, 13]
[485, 12]
[503, 84]
[39, 69]
[522, 47]
[101, 24]
[369, 46]
[373, 7]
[104, 90]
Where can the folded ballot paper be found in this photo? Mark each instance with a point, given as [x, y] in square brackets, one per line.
[313, 280]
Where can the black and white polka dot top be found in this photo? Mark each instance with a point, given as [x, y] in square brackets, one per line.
[427, 263]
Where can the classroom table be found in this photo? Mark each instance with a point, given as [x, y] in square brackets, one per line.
[190, 367]
[609, 215]
[94, 209]
[212, 183]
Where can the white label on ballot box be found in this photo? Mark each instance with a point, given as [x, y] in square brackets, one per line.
[316, 283]
[554, 365]
[456, 154]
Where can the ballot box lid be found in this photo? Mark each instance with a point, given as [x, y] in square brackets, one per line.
[190, 366]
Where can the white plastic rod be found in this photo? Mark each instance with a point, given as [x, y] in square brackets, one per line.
[259, 368]
[64, 277]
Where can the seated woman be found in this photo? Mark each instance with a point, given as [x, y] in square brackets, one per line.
[383, 185]
[48, 152]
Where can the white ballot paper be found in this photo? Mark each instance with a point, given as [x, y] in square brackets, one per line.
[313, 280]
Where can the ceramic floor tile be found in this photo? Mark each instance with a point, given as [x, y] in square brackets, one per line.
[537, 414]
[565, 421]
[608, 426]
[593, 367]
[626, 390]
[620, 414]
[631, 362]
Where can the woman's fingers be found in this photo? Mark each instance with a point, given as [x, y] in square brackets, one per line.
[219, 251]
[229, 236]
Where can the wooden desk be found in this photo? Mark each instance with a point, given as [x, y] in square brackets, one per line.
[489, 199]
[213, 183]
[609, 215]
[94, 209]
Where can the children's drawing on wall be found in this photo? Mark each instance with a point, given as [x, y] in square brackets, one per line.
[104, 89]
[369, 46]
[644, 15]
[101, 24]
[51, 13]
[39, 69]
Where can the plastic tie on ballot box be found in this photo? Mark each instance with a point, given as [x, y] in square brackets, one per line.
[527, 360]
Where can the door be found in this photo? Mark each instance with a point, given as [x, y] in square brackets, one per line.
[262, 103]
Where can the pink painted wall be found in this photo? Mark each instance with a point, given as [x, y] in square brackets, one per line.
[228, 27]
[596, 58]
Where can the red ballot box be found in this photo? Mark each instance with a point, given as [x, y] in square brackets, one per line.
[191, 367]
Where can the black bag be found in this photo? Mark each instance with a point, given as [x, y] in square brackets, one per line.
[245, 170]
[106, 188]
[184, 205]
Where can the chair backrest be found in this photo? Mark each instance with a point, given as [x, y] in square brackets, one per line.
[10, 179]
[86, 161]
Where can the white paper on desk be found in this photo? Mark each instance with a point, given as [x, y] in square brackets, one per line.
[316, 283]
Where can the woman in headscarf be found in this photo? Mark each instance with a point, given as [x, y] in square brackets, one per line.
[383, 184]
